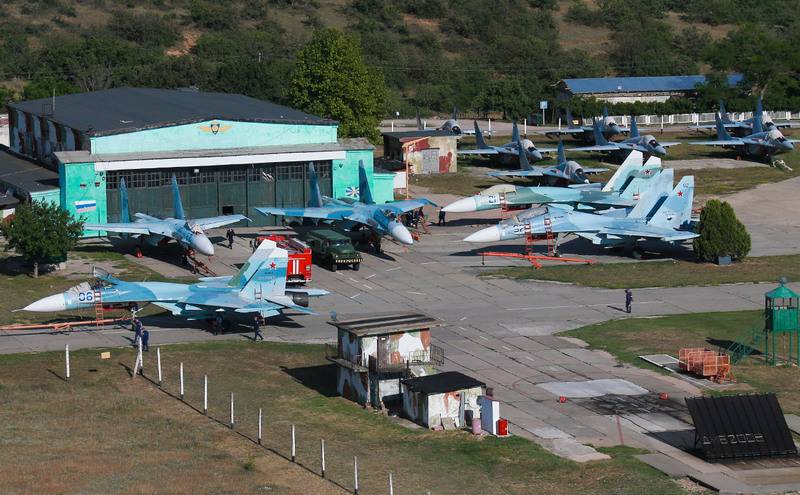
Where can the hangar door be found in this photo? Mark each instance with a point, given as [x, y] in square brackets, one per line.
[213, 191]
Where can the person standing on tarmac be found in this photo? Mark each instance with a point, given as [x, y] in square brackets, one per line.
[257, 329]
[628, 300]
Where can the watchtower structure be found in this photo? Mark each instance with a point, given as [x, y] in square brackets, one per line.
[781, 316]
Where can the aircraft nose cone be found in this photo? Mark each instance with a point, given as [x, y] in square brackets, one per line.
[489, 234]
[660, 150]
[48, 304]
[536, 155]
[788, 145]
[461, 206]
[400, 233]
[202, 245]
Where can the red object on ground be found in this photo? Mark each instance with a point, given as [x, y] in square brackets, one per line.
[562, 399]
[535, 259]
[502, 427]
[299, 268]
[663, 396]
[139, 253]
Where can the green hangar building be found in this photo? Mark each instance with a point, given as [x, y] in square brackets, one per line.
[230, 153]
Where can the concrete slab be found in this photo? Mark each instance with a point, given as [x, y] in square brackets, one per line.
[793, 421]
[667, 465]
[593, 388]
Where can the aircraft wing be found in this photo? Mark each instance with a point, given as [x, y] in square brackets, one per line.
[644, 230]
[213, 222]
[411, 204]
[142, 228]
[594, 170]
[536, 172]
[669, 143]
[211, 302]
[564, 132]
[479, 151]
[322, 212]
[600, 147]
[720, 142]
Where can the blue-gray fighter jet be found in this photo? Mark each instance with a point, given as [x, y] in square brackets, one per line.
[258, 288]
[647, 143]
[608, 127]
[759, 143]
[741, 128]
[568, 171]
[664, 217]
[190, 234]
[383, 219]
[508, 153]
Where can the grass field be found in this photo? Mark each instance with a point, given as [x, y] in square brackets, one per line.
[629, 338]
[104, 432]
[660, 273]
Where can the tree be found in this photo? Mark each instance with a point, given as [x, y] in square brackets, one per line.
[41, 231]
[721, 233]
[332, 80]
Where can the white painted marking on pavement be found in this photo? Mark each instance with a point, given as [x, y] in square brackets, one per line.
[417, 293]
[367, 287]
[506, 347]
[355, 295]
[429, 263]
[369, 277]
[484, 338]
[462, 318]
[353, 280]
[393, 269]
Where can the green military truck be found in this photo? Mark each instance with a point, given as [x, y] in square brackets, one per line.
[331, 249]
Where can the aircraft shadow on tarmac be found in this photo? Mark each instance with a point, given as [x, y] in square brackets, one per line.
[321, 378]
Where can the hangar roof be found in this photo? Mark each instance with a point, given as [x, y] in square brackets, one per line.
[440, 383]
[24, 174]
[121, 110]
[591, 85]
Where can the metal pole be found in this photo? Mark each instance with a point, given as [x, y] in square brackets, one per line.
[232, 424]
[490, 128]
[259, 426]
[140, 359]
[322, 454]
[294, 457]
[559, 123]
[205, 395]
[355, 475]
[66, 352]
[158, 360]
[391, 485]
[181, 381]
[393, 126]
[525, 127]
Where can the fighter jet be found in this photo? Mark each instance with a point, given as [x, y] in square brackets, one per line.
[507, 154]
[190, 234]
[564, 171]
[742, 128]
[258, 288]
[662, 217]
[647, 144]
[759, 143]
[449, 125]
[624, 188]
[381, 219]
[608, 127]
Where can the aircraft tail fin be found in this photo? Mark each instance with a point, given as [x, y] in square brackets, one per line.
[676, 210]
[562, 157]
[455, 113]
[628, 168]
[605, 112]
[722, 133]
[723, 113]
[177, 205]
[515, 133]
[264, 274]
[419, 121]
[758, 117]
[634, 127]
[124, 213]
[569, 117]
[653, 195]
[599, 139]
[364, 192]
[315, 196]
[524, 164]
[479, 141]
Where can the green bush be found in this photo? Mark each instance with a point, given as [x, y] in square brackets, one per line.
[721, 233]
[213, 15]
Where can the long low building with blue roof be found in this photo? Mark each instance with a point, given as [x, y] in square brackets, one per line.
[633, 89]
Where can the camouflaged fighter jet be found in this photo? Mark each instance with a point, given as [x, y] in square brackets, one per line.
[507, 154]
[258, 288]
[608, 127]
[631, 179]
[190, 234]
[759, 143]
[449, 125]
[647, 144]
[658, 215]
[742, 128]
[381, 219]
[565, 170]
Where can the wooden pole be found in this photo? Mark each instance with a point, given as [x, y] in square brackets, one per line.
[66, 362]
[294, 452]
[158, 360]
[205, 395]
[181, 381]
[391, 485]
[322, 455]
[619, 430]
[259, 426]
[355, 475]
[232, 424]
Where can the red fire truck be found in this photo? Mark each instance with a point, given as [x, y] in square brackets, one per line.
[299, 269]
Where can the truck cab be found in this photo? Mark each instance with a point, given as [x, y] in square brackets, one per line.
[332, 249]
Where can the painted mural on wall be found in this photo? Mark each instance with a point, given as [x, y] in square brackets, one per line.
[415, 153]
[429, 410]
[353, 385]
[401, 347]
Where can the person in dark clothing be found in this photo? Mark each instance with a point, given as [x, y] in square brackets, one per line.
[137, 329]
[441, 216]
[257, 329]
[218, 324]
[628, 300]
[230, 238]
[146, 341]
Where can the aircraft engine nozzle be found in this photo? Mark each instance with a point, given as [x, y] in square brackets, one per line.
[301, 299]
[400, 233]
[48, 304]
[489, 234]
[456, 129]
[202, 245]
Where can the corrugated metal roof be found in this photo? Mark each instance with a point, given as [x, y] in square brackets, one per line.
[121, 110]
[440, 383]
[639, 84]
[386, 323]
[24, 174]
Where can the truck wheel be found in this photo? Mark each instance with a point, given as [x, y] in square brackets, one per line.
[334, 265]
[356, 266]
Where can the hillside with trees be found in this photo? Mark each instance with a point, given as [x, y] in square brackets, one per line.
[497, 57]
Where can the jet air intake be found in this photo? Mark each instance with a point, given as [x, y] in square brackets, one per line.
[300, 298]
